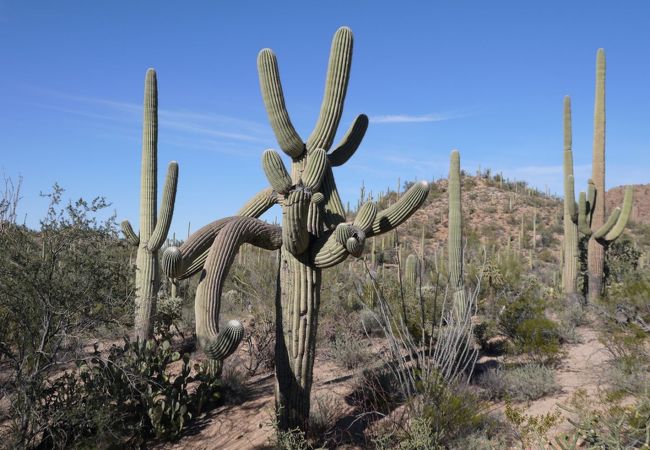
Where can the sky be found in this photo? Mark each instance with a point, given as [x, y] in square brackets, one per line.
[487, 78]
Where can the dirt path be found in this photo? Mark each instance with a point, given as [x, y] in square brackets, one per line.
[583, 368]
[248, 425]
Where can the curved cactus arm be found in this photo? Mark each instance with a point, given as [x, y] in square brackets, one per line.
[238, 231]
[623, 218]
[259, 204]
[187, 259]
[338, 75]
[314, 172]
[276, 172]
[583, 215]
[397, 213]
[269, 75]
[194, 251]
[130, 235]
[600, 233]
[350, 142]
[166, 208]
[366, 217]
[331, 250]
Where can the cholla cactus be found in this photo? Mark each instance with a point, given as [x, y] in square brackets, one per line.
[153, 227]
[588, 217]
[313, 235]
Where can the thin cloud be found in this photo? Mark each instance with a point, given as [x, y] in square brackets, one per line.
[182, 121]
[407, 118]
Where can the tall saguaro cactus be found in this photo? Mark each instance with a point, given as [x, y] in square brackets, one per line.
[153, 226]
[313, 235]
[589, 219]
[455, 237]
[571, 255]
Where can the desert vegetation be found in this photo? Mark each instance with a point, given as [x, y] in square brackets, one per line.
[468, 312]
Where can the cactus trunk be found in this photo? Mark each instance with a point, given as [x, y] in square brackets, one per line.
[299, 301]
[570, 244]
[153, 227]
[596, 260]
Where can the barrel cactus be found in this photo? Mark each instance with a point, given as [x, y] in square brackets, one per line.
[153, 226]
[313, 236]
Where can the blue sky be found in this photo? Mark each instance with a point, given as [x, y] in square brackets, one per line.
[487, 78]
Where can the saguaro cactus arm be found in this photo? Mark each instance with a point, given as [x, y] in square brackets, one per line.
[130, 235]
[336, 86]
[620, 221]
[166, 209]
[237, 231]
[285, 133]
[350, 142]
[396, 214]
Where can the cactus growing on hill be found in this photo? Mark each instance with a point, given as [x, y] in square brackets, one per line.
[570, 244]
[153, 227]
[313, 235]
[455, 237]
[588, 217]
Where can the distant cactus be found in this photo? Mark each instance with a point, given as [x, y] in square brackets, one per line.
[313, 235]
[589, 219]
[411, 270]
[153, 227]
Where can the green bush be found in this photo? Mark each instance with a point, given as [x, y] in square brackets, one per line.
[539, 338]
[523, 383]
[121, 400]
[517, 312]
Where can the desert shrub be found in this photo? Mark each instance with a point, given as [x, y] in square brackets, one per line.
[528, 382]
[621, 261]
[169, 317]
[348, 350]
[260, 343]
[540, 339]
[618, 425]
[531, 430]
[120, 400]
[514, 313]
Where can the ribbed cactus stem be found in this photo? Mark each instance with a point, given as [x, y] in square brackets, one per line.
[153, 226]
[596, 258]
[411, 271]
[571, 262]
[455, 237]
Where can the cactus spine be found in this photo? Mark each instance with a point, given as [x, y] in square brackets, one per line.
[153, 227]
[313, 235]
[455, 237]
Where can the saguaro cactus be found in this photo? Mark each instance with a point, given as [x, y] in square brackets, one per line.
[153, 227]
[571, 255]
[313, 235]
[411, 270]
[455, 237]
[590, 217]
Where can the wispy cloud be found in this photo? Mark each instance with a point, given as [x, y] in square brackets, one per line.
[408, 118]
[186, 123]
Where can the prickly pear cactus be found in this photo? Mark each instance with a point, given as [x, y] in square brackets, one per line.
[313, 235]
